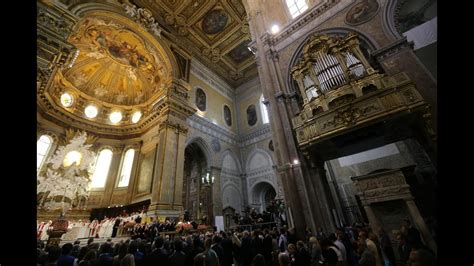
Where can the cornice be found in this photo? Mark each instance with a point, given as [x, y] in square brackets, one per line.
[207, 127]
[268, 177]
[211, 79]
[250, 88]
[229, 172]
[264, 132]
[392, 48]
[55, 21]
[260, 171]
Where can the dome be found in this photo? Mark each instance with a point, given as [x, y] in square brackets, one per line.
[115, 65]
[118, 70]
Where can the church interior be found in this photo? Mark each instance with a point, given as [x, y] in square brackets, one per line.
[311, 119]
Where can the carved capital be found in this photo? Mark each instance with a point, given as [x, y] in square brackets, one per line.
[280, 96]
[178, 127]
[273, 55]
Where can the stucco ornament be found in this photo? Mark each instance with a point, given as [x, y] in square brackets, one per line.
[67, 175]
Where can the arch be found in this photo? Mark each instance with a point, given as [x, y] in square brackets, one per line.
[195, 194]
[43, 148]
[368, 89]
[102, 168]
[259, 191]
[388, 19]
[392, 16]
[205, 147]
[51, 134]
[231, 196]
[317, 110]
[255, 157]
[126, 167]
[365, 40]
[228, 155]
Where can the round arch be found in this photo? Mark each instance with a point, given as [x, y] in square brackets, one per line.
[255, 152]
[230, 199]
[261, 194]
[229, 152]
[388, 19]
[366, 41]
[54, 137]
[204, 146]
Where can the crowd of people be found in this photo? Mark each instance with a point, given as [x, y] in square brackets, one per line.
[123, 225]
[351, 245]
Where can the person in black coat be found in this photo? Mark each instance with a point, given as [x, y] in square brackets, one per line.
[226, 244]
[157, 256]
[267, 247]
[116, 226]
[302, 257]
[178, 257]
[246, 249]
[217, 247]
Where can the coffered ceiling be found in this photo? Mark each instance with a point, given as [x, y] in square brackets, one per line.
[216, 32]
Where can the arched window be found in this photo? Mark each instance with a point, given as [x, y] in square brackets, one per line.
[101, 169]
[42, 148]
[126, 168]
[263, 109]
[296, 7]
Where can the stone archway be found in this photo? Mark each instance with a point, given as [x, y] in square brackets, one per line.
[197, 197]
[262, 195]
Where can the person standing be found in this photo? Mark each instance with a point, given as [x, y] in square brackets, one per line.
[386, 248]
[372, 247]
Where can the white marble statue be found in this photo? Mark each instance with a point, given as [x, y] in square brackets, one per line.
[67, 175]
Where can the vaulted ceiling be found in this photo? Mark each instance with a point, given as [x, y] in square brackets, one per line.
[216, 32]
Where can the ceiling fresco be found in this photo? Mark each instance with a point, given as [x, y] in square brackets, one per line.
[215, 21]
[115, 64]
[215, 32]
[240, 53]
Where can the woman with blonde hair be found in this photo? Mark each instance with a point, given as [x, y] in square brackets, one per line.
[314, 250]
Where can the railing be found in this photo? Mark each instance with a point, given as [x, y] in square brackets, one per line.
[251, 227]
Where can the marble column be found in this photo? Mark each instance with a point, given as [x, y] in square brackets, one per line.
[421, 225]
[111, 180]
[167, 185]
[166, 199]
[216, 191]
[132, 183]
[319, 197]
[373, 220]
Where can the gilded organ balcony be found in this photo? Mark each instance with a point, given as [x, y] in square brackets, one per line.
[342, 91]
[369, 100]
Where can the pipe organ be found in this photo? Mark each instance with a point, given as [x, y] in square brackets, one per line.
[341, 91]
[329, 63]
